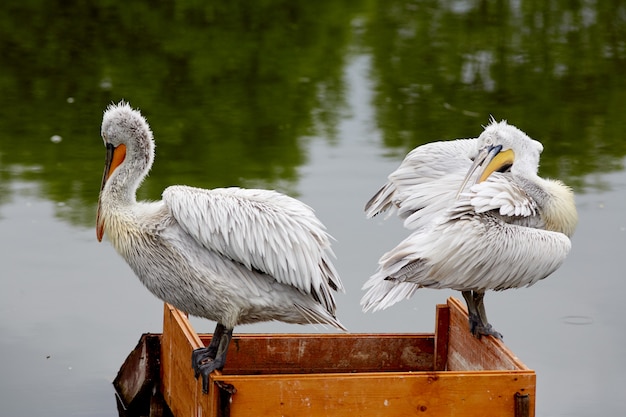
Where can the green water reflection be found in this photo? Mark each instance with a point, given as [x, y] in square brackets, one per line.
[551, 67]
[233, 89]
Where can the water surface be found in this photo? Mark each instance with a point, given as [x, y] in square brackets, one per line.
[320, 101]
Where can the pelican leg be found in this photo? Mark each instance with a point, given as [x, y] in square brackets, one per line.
[482, 327]
[206, 360]
[474, 317]
[207, 353]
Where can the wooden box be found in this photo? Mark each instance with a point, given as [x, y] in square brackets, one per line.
[448, 373]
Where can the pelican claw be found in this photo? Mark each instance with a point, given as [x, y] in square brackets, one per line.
[201, 356]
[205, 369]
[478, 328]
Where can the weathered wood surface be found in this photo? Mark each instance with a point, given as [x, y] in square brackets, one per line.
[467, 353]
[327, 353]
[442, 336]
[138, 381]
[489, 393]
[182, 392]
[350, 374]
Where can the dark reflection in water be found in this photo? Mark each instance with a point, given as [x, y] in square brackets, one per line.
[550, 67]
[230, 88]
[234, 91]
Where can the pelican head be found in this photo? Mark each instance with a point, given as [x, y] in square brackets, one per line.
[505, 148]
[502, 148]
[129, 155]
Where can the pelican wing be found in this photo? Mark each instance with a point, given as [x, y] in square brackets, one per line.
[424, 203]
[263, 230]
[427, 180]
[501, 194]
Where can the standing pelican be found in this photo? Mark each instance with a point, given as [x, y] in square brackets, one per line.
[230, 255]
[482, 219]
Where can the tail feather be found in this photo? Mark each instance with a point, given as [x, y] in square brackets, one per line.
[314, 316]
[385, 293]
[381, 201]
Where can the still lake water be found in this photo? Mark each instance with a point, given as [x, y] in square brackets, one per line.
[321, 103]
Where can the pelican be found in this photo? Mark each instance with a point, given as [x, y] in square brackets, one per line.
[481, 219]
[231, 255]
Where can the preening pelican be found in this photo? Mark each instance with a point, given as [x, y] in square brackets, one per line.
[230, 255]
[481, 219]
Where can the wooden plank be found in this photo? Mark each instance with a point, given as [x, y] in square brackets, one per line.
[467, 353]
[182, 392]
[442, 334]
[477, 394]
[328, 353]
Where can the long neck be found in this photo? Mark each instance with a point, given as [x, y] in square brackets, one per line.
[555, 200]
[121, 188]
[118, 206]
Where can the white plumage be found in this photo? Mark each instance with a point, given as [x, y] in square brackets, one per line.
[427, 180]
[230, 255]
[481, 219]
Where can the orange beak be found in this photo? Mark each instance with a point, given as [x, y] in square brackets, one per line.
[114, 157]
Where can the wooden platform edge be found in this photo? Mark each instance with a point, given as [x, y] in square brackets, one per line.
[465, 352]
